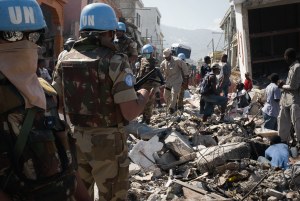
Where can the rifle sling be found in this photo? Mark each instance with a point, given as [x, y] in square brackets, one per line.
[24, 133]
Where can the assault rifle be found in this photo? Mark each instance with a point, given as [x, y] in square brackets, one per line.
[149, 77]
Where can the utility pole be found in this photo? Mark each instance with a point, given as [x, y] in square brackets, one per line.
[230, 34]
[213, 47]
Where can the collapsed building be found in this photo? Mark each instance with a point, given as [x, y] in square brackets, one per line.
[178, 157]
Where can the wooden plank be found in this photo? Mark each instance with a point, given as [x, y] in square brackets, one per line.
[193, 195]
[203, 192]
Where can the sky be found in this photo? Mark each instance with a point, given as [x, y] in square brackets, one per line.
[190, 14]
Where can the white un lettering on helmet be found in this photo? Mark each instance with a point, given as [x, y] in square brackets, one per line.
[22, 14]
[88, 20]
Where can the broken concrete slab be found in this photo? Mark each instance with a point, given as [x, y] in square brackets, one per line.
[178, 144]
[134, 169]
[212, 157]
[142, 153]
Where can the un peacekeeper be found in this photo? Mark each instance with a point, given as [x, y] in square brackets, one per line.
[32, 165]
[125, 44]
[185, 83]
[99, 98]
[148, 63]
[173, 70]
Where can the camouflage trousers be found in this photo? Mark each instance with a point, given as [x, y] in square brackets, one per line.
[103, 158]
[147, 114]
[180, 98]
[171, 95]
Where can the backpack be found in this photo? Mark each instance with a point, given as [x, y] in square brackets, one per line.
[39, 164]
[205, 85]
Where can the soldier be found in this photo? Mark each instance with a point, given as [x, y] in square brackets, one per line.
[176, 74]
[97, 88]
[125, 44]
[148, 63]
[210, 93]
[184, 85]
[36, 162]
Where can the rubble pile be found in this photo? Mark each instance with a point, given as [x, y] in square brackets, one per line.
[178, 157]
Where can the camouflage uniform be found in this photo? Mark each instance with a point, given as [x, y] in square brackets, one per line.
[45, 171]
[146, 66]
[94, 81]
[174, 71]
[181, 93]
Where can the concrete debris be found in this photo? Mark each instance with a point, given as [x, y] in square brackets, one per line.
[142, 153]
[178, 157]
[215, 156]
[178, 144]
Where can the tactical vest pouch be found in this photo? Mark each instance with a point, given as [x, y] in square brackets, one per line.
[10, 98]
[46, 167]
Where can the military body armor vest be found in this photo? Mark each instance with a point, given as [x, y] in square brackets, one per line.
[87, 88]
[46, 167]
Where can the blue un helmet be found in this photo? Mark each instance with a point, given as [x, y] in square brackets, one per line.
[98, 16]
[21, 18]
[121, 27]
[21, 15]
[181, 56]
[147, 49]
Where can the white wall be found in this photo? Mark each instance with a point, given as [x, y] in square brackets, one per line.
[150, 27]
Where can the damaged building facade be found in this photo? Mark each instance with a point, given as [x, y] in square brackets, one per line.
[54, 17]
[265, 29]
[143, 24]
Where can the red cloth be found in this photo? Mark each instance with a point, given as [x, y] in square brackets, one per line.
[248, 84]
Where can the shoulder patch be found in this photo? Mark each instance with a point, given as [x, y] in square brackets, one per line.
[129, 80]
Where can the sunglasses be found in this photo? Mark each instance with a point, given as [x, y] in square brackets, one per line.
[13, 36]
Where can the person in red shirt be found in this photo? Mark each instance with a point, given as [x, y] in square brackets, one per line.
[248, 82]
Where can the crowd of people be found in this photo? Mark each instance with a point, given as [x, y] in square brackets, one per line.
[93, 84]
